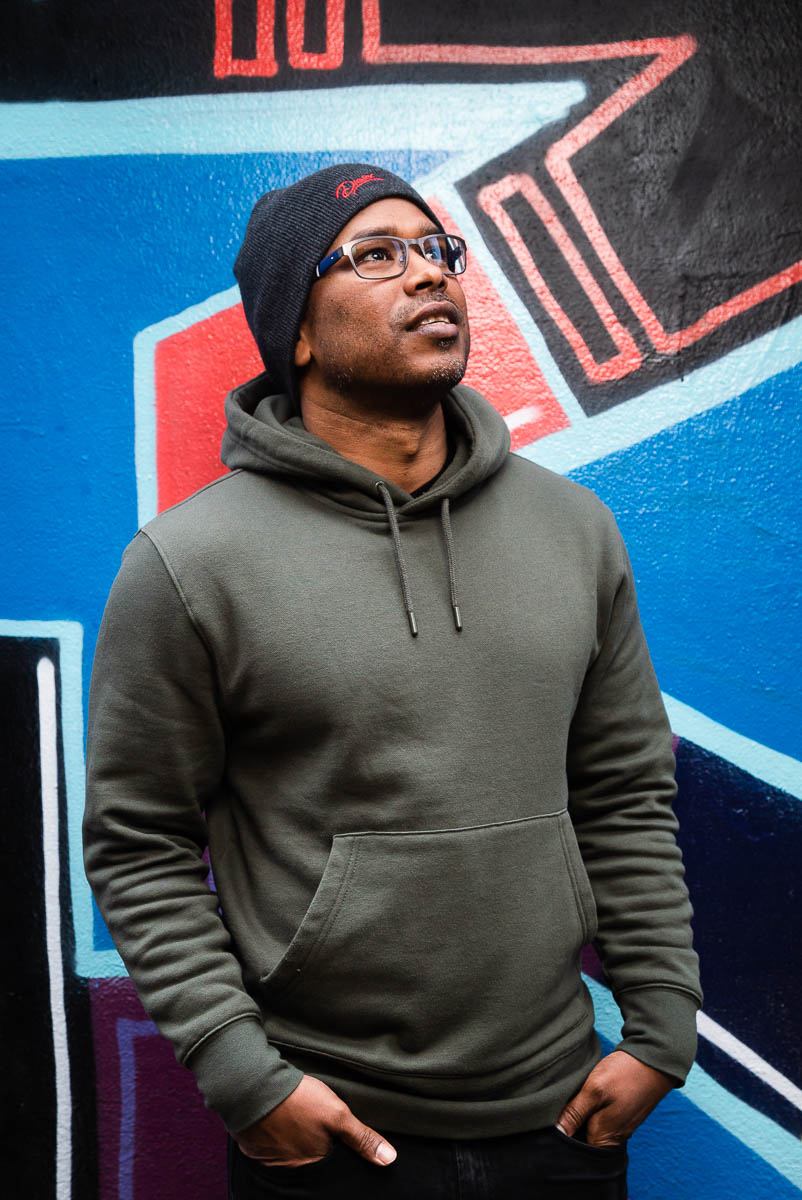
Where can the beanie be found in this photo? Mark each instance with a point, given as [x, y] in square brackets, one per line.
[289, 232]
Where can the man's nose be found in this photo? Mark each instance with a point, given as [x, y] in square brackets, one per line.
[422, 272]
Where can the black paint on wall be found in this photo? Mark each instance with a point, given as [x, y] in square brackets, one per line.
[696, 185]
[28, 1087]
[91, 50]
[29, 1098]
[742, 845]
[697, 188]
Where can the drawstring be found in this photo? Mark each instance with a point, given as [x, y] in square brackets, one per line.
[381, 488]
[401, 566]
[445, 517]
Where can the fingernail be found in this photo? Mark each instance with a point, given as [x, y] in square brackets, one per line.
[562, 1129]
[385, 1153]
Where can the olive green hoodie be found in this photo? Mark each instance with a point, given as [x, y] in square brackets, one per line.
[412, 836]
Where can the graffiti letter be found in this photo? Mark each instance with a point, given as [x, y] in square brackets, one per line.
[491, 199]
[335, 37]
[265, 61]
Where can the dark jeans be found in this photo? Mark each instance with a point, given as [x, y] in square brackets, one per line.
[542, 1164]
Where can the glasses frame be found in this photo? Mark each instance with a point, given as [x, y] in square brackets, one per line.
[346, 251]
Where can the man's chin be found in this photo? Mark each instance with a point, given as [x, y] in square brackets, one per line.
[440, 376]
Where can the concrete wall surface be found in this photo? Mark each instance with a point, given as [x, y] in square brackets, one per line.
[628, 179]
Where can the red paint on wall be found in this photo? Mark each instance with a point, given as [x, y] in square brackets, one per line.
[628, 358]
[502, 366]
[332, 57]
[194, 370]
[264, 64]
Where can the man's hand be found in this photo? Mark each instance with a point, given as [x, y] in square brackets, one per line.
[301, 1130]
[617, 1095]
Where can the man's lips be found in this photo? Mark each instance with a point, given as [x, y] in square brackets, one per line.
[439, 319]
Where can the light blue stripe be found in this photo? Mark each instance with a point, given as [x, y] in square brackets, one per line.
[670, 403]
[394, 116]
[779, 1148]
[145, 344]
[780, 770]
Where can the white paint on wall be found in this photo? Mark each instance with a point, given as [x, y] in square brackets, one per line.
[95, 964]
[48, 760]
[731, 1045]
[779, 1148]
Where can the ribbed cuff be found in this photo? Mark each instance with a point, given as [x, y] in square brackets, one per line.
[660, 1029]
[242, 1077]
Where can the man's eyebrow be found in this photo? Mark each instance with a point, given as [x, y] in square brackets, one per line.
[392, 231]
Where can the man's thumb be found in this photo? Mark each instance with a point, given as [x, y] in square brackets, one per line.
[366, 1141]
[575, 1113]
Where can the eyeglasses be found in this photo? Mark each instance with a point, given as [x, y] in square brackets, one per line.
[381, 257]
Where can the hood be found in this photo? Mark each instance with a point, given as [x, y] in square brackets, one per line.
[265, 434]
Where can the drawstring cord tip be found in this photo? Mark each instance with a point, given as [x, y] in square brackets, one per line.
[457, 618]
[413, 625]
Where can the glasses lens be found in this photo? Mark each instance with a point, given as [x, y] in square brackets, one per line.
[379, 257]
[455, 251]
[446, 250]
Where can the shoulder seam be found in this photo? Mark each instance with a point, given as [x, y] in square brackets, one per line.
[212, 483]
[168, 566]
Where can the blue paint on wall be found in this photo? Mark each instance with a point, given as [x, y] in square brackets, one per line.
[682, 1153]
[709, 509]
[95, 250]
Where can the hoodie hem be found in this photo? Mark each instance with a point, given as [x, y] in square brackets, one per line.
[537, 1102]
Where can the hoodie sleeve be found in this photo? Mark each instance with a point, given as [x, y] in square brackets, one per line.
[621, 780]
[155, 758]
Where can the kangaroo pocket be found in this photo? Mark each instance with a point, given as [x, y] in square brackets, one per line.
[450, 953]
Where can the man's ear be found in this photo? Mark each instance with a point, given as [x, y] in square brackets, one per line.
[303, 351]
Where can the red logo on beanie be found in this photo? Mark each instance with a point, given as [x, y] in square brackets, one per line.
[349, 187]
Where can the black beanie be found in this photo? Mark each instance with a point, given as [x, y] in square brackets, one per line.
[288, 233]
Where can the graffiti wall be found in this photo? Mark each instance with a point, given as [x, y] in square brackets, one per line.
[628, 178]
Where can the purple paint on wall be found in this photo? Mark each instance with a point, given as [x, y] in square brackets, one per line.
[156, 1140]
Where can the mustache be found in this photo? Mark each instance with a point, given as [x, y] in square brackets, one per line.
[407, 314]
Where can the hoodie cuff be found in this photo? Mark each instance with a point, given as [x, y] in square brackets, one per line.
[242, 1077]
[660, 1029]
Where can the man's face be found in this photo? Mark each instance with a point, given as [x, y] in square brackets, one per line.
[368, 339]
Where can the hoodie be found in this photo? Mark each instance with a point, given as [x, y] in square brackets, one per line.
[423, 740]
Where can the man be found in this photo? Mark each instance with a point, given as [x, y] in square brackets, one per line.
[395, 676]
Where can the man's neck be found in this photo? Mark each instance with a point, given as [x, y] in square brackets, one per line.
[408, 450]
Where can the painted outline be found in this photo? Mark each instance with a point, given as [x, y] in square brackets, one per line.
[746, 1056]
[89, 962]
[493, 116]
[127, 1032]
[51, 857]
[145, 344]
[673, 54]
[491, 199]
[668, 55]
[706, 387]
[761, 762]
